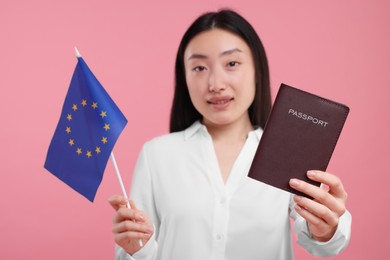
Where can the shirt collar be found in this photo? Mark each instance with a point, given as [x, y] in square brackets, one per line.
[190, 131]
[198, 126]
[258, 133]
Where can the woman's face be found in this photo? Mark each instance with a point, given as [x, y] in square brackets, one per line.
[220, 76]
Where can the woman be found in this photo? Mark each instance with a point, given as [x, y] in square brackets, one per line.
[191, 197]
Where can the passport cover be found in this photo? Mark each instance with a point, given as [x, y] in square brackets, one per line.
[300, 135]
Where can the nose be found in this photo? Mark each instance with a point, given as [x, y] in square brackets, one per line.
[216, 82]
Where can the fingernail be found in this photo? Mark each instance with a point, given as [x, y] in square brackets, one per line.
[297, 198]
[294, 182]
[311, 173]
[146, 235]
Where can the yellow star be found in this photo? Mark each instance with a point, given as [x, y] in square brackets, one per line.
[78, 151]
[103, 114]
[94, 105]
[68, 129]
[104, 140]
[107, 127]
[69, 117]
[97, 150]
[89, 154]
[84, 102]
[71, 142]
[74, 107]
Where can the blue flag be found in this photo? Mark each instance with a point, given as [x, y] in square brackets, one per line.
[86, 133]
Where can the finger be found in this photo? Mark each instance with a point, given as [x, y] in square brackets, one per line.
[130, 236]
[317, 209]
[131, 226]
[132, 205]
[319, 229]
[128, 214]
[310, 218]
[320, 195]
[334, 183]
[141, 214]
[117, 201]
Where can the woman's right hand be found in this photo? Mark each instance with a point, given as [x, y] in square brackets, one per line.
[129, 225]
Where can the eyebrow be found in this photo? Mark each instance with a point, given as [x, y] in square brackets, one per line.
[224, 53]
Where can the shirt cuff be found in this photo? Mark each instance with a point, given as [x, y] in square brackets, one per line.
[330, 248]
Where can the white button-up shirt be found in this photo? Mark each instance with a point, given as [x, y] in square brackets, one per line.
[177, 182]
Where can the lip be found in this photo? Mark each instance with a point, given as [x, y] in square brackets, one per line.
[220, 102]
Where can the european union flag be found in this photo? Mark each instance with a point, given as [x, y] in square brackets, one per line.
[86, 133]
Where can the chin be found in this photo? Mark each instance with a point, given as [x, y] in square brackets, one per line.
[218, 121]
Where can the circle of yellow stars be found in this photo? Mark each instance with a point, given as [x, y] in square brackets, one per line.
[79, 150]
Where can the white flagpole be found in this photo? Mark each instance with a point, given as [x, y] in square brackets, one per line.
[123, 188]
[118, 175]
[78, 55]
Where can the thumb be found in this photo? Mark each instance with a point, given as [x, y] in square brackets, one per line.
[117, 202]
[132, 205]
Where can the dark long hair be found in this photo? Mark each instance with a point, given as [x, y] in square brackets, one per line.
[183, 112]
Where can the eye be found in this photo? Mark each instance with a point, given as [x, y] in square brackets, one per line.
[199, 68]
[233, 64]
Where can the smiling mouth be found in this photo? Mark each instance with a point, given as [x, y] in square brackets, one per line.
[219, 101]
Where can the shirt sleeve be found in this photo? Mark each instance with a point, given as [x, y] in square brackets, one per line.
[142, 195]
[334, 246]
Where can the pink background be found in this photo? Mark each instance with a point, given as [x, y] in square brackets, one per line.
[337, 49]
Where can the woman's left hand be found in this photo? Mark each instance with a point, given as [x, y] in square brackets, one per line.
[322, 214]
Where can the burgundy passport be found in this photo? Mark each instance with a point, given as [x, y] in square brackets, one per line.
[300, 135]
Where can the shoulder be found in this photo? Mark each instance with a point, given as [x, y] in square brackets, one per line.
[172, 141]
[164, 142]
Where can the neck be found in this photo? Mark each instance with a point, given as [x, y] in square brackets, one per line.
[232, 132]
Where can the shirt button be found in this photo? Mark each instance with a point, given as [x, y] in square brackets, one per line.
[219, 237]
